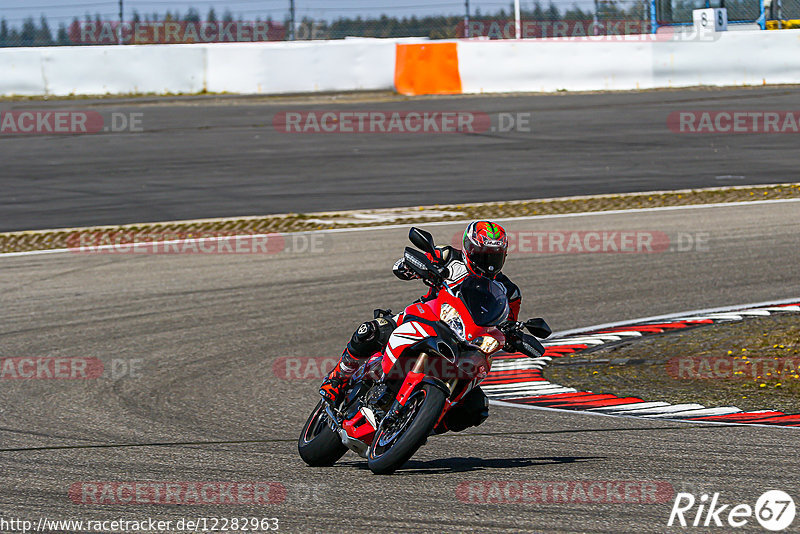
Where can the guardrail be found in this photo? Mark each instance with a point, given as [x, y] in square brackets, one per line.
[599, 63]
[409, 66]
[265, 68]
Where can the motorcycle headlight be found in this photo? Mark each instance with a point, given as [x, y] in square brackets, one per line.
[487, 344]
[451, 318]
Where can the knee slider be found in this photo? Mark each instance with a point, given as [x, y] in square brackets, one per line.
[365, 340]
[366, 332]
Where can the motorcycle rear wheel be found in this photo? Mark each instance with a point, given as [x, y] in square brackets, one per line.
[393, 446]
[318, 445]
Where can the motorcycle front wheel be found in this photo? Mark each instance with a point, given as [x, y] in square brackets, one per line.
[318, 444]
[395, 443]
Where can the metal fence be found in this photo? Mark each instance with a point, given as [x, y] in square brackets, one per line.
[680, 11]
[88, 22]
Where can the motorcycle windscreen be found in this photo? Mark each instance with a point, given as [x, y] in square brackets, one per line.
[485, 300]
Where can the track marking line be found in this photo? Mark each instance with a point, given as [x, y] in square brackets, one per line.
[427, 224]
[601, 414]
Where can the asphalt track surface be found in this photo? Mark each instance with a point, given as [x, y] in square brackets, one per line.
[214, 157]
[206, 405]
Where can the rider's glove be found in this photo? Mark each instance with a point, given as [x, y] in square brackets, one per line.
[436, 258]
[512, 338]
[512, 330]
[509, 327]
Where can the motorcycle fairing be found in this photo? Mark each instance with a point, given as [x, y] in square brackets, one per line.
[404, 336]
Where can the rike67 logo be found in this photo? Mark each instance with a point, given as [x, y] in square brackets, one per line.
[774, 510]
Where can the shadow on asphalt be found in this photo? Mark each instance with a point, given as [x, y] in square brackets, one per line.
[677, 426]
[442, 466]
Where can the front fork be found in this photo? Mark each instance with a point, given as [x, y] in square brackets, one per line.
[412, 380]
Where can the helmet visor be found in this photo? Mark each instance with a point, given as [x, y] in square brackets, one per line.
[487, 261]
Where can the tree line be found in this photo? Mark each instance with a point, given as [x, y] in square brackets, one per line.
[33, 33]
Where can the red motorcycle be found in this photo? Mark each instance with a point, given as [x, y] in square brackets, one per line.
[440, 350]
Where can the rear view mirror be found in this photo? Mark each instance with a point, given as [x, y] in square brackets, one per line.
[422, 240]
[538, 327]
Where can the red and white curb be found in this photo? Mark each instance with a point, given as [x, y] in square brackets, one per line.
[517, 380]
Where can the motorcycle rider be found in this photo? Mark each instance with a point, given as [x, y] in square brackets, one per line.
[485, 246]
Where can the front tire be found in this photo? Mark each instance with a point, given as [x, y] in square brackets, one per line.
[319, 446]
[393, 446]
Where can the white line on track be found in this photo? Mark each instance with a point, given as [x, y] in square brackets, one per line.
[636, 417]
[674, 316]
[434, 223]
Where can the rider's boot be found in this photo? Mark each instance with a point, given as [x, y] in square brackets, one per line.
[335, 384]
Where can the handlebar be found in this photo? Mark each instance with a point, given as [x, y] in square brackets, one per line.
[431, 274]
[519, 341]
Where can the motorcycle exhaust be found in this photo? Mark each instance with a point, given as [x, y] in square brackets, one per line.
[355, 445]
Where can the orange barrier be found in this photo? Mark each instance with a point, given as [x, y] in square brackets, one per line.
[427, 69]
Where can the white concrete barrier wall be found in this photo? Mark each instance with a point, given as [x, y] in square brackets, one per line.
[737, 58]
[734, 58]
[123, 69]
[274, 68]
[21, 71]
[268, 68]
[547, 65]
